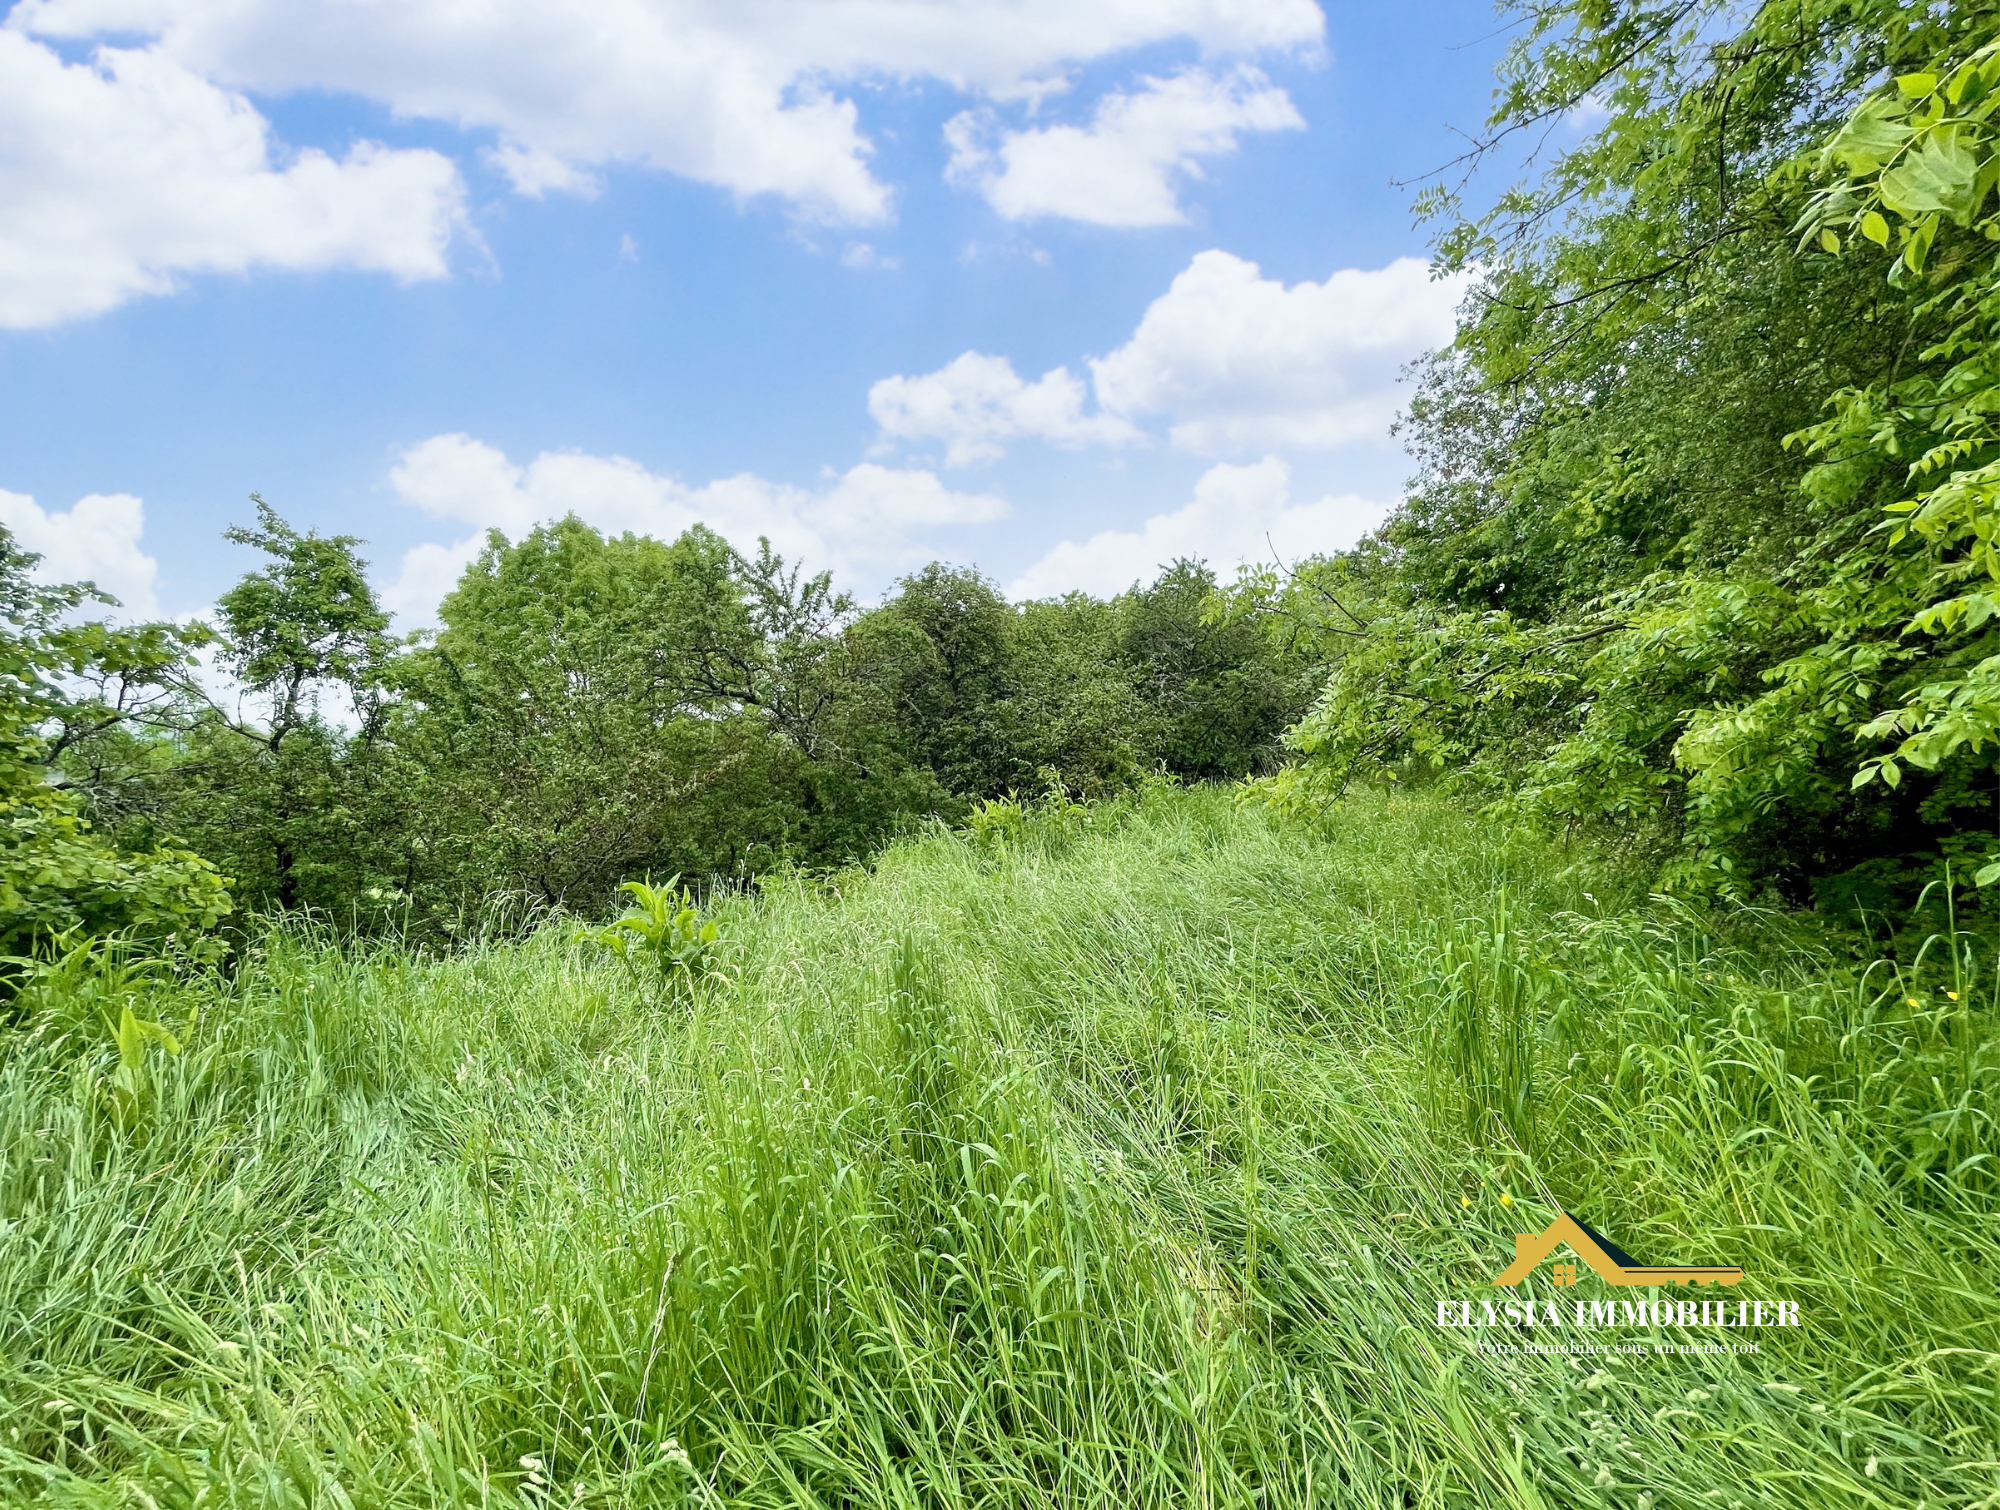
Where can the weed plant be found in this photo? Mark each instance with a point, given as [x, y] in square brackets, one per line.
[1115, 1164]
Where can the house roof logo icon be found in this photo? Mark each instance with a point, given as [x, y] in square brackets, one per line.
[1612, 1262]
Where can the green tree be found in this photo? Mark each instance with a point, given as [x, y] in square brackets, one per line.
[943, 654]
[1082, 718]
[1641, 580]
[288, 784]
[1217, 693]
[595, 710]
[62, 683]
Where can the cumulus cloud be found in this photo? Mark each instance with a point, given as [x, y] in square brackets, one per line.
[1235, 361]
[1125, 168]
[1238, 514]
[868, 518]
[1231, 362]
[122, 174]
[736, 93]
[977, 403]
[95, 540]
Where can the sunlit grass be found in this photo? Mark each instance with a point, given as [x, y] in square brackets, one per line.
[1120, 1162]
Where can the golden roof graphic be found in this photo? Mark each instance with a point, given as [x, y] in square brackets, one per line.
[1611, 1261]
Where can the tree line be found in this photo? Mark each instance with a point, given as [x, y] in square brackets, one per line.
[591, 709]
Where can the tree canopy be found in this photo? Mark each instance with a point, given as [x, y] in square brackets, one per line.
[1697, 549]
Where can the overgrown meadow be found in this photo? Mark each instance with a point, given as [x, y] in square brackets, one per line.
[1115, 1157]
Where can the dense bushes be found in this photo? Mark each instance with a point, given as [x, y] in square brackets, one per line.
[1699, 550]
[60, 682]
[595, 710]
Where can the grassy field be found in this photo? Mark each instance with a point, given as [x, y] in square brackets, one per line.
[1123, 1163]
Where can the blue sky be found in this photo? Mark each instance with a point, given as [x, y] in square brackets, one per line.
[1056, 289]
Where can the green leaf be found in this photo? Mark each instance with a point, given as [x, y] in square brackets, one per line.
[1917, 243]
[1828, 241]
[1938, 176]
[1875, 228]
[1916, 86]
[1870, 138]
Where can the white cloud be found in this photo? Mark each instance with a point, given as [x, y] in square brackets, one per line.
[1123, 169]
[977, 403]
[538, 174]
[735, 93]
[1238, 514]
[1235, 361]
[1230, 360]
[119, 175]
[868, 518]
[1590, 112]
[96, 540]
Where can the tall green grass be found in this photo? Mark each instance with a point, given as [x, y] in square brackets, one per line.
[1120, 1161]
